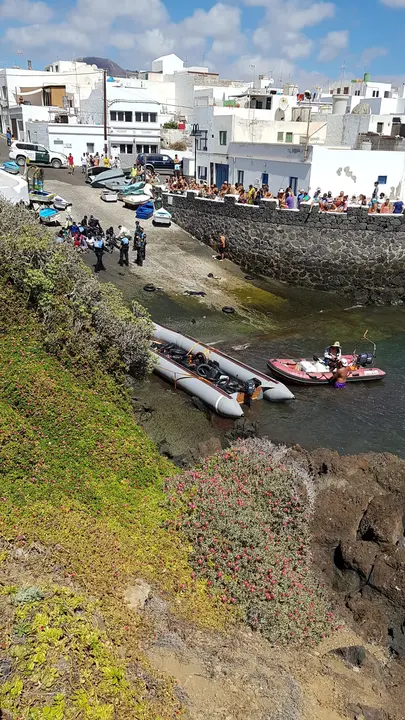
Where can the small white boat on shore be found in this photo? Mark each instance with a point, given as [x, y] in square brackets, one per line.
[222, 383]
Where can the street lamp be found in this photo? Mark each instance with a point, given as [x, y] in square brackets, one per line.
[196, 133]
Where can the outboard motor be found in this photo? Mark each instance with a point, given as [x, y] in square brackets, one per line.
[365, 360]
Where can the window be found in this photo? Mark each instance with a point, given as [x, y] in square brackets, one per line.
[126, 149]
[146, 149]
[153, 117]
[241, 175]
[382, 179]
[288, 137]
[280, 137]
[386, 93]
[338, 91]
[153, 148]
[376, 93]
[265, 178]
[139, 148]
[222, 137]
[396, 120]
[138, 117]
[113, 115]
[145, 117]
[259, 104]
[345, 91]
[90, 148]
[268, 103]
[128, 116]
[120, 116]
[380, 127]
[202, 172]
[357, 93]
[294, 184]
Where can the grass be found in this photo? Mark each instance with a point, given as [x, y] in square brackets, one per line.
[80, 478]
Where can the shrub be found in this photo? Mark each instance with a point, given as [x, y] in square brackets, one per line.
[246, 513]
[170, 125]
[81, 318]
[179, 145]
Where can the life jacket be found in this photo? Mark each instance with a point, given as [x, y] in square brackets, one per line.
[99, 244]
[124, 241]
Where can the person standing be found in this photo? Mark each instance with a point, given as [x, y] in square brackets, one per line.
[124, 248]
[71, 164]
[8, 136]
[221, 247]
[96, 160]
[106, 161]
[84, 163]
[99, 250]
[177, 166]
[137, 234]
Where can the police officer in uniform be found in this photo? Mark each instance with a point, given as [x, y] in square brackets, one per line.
[124, 248]
[99, 250]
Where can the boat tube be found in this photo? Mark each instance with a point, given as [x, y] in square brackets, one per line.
[266, 387]
[216, 399]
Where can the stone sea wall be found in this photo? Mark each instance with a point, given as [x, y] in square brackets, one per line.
[356, 254]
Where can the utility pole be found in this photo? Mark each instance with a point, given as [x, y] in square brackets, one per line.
[105, 111]
[308, 96]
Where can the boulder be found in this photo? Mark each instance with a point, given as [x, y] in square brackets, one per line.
[137, 595]
[352, 655]
[359, 556]
[383, 520]
[388, 576]
[365, 712]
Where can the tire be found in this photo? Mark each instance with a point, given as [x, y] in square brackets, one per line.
[228, 309]
[56, 164]
[204, 370]
[149, 288]
[20, 160]
[150, 167]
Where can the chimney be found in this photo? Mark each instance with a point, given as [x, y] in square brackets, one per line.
[29, 65]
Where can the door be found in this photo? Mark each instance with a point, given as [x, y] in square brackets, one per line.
[265, 179]
[221, 174]
[211, 173]
[41, 154]
[14, 130]
[167, 162]
[294, 184]
[30, 152]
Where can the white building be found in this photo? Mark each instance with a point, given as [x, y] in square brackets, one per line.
[167, 64]
[225, 130]
[383, 98]
[27, 94]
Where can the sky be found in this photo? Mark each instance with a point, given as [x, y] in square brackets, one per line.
[303, 41]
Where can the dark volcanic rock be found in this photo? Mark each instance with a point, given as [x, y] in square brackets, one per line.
[353, 655]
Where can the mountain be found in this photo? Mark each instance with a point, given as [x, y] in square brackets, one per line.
[112, 68]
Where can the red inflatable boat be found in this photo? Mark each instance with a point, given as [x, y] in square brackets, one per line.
[317, 372]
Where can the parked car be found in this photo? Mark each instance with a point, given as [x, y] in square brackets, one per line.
[36, 154]
[157, 161]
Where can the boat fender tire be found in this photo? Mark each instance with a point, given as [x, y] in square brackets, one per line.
[149, 288]
[249, 277]
[204, 370]
[228, 309]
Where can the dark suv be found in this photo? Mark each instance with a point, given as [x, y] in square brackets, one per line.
[157, 162]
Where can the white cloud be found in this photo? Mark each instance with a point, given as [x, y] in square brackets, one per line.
[51, 36]
[332, 44]
[372, 53]
[394, 3]
[26, 11]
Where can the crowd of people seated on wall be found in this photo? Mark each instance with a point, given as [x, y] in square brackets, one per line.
[286, 199]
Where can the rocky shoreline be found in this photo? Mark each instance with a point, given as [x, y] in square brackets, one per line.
[357, 528]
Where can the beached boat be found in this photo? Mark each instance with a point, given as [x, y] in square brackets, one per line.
[145, 211]
[133, 188]
[107, 175]
[109, 195]
[40, 196]
[49, 216]
[60, 203]
[221, 382]
[317, 372]
[11, 167]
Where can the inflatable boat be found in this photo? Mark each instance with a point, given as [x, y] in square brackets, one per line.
[221, 382]
[318, 372]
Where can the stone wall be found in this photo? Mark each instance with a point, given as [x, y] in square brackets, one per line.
[359, 255]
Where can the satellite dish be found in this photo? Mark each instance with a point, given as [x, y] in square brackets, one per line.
[283, 103]
[271, 81]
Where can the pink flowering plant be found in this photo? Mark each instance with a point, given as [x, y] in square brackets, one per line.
[246, 513]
